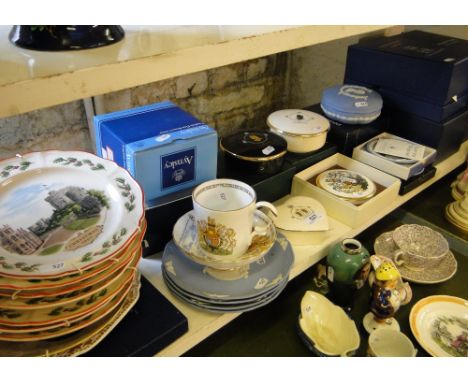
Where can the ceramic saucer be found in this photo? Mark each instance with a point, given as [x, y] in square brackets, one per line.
[455, 219]
[347, 184]
[262, 275]
[185, 234]
[440, 324]
[445, 270]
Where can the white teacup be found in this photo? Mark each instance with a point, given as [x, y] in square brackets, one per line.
[390, 343]
[224, 213]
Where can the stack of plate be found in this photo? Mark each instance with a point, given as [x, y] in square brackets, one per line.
[69, 246]
[247, 283]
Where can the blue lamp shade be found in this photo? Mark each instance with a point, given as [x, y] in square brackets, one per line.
[351, 104]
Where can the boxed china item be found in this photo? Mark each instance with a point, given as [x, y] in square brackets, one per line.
[385, 187]
[165, 148]
[446, 136]
[348, 136]
[401, 167]
[431, 67]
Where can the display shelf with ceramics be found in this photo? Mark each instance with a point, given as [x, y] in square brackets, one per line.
[72, 265]
[202, 324]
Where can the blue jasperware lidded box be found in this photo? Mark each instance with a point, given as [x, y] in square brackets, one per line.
[351, 104]
[165, 148]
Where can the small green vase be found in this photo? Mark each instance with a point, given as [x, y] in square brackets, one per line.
[348, 263]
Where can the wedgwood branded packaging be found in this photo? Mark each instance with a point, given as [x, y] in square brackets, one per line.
[165, 148]
[425, 65]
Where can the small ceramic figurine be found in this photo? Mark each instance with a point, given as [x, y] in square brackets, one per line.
[389, 292]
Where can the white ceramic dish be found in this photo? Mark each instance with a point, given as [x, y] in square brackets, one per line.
[64, 212]
[304, 130]
[301, 213]
[440, 325]
[327, 326]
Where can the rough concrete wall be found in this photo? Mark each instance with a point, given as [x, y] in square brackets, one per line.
[228, 98]
[61, 127]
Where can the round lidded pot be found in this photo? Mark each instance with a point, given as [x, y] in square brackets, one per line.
[351, 104]
[254, 152]
[304, 130]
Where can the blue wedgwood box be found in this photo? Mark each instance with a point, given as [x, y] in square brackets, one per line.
[428, 66]
[165, 148]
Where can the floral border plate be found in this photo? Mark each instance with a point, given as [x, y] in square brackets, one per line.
[346, 184]
[79, 342]
[440, 324]
[63, 212]
[30, 288]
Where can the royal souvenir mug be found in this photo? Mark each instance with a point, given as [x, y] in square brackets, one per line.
[224, 213]
[390, 343]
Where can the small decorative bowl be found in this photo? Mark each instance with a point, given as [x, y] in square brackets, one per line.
[351, 104]
[325, 328]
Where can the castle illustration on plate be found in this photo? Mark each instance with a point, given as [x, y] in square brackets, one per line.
[75, 209]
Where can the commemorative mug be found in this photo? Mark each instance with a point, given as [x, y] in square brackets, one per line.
[224, 214]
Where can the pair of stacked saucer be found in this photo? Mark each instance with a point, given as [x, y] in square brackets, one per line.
[436, 262]
[457, 211]
[226, 285]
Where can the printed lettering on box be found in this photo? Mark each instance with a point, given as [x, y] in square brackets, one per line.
[178, 168]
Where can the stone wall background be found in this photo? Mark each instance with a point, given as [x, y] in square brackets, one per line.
[229, 98]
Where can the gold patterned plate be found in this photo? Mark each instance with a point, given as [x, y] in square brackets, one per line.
[185, 238]
[27, 288]
[440, 325]
[71, 328]
[64, 313]
[77, 343]
[85, 210]
[347, 184]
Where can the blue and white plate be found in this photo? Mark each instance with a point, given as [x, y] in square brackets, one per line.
[351, 104]
[225, 307]
[261, 276]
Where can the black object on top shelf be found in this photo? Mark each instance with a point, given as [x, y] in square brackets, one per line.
[65, 37]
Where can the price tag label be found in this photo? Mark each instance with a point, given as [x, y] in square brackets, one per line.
[330, 273]
[268, 150]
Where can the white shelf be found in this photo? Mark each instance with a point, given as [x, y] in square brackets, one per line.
[203, 324]
[31, 80]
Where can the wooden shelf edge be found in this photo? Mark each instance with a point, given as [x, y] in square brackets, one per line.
[202, 325]
[24, 96]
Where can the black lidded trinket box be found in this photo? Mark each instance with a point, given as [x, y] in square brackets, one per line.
[254, 152]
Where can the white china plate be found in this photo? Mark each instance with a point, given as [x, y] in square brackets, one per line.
[185, 236]
[301, 213]
[346, 184]
[63, 212]
[440, 324]
[445, 270]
